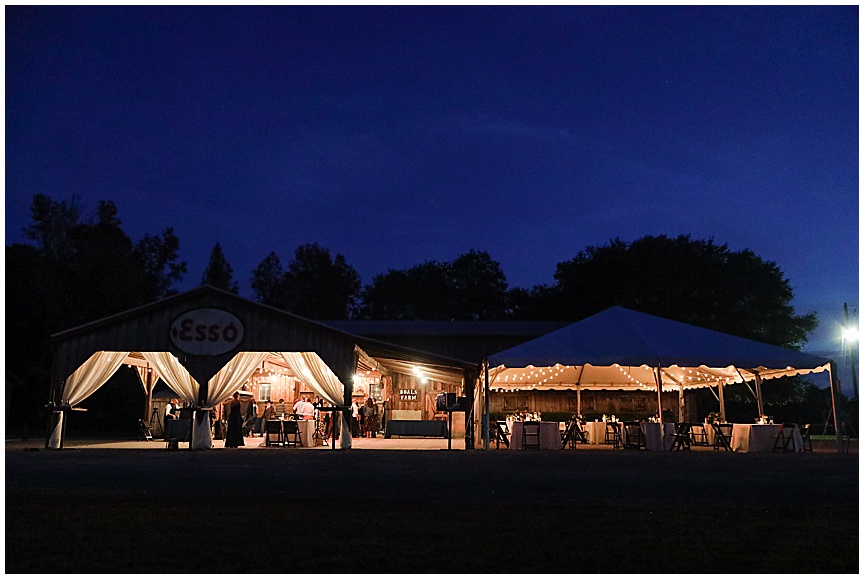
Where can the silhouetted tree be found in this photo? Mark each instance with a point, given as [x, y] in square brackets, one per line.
[77, 272]
[472, 287]
[219, 272]
[320, 287]
[314, 286]
[692, 281]
[268, 282]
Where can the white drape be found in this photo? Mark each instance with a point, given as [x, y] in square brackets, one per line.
[54, 440]
[225, 382]
[91, 375]
[232, 376]
[317, 375]
[174, 374]
[85, 381]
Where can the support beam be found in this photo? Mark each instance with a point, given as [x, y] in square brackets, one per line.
[659, 378]
[469, 379]
[759, 406]
[722, 402]
[680, 403]
[486, 417]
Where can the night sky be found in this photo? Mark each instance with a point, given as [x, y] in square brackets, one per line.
[399, 135]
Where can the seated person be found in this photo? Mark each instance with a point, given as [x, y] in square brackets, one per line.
[280, 408]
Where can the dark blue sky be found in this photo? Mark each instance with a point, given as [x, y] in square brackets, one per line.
[397, 135]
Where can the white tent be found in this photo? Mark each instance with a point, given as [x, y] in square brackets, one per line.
[627, 350]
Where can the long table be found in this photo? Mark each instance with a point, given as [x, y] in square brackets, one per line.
[550, 437]
[761, 437]
[431, 428]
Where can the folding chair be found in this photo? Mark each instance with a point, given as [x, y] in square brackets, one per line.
[274, 428]
[498, 435]
[698, 436]
[613, 434]
[573, 434]
[805, 438]
[722, 436]
[633, 437]
[682, 437]
[530, 435]
[144, 431]
[783, 440]
[291, 433]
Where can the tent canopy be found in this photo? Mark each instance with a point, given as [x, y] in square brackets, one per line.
[620, 349]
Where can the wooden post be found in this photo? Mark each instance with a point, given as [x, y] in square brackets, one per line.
[680, 403]
[468, 379]
[148, 395]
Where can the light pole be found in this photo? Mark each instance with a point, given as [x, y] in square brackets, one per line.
[850, 336]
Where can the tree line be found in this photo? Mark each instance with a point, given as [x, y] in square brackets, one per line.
[81, 267]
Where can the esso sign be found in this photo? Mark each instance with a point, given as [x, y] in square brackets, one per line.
[206, 332]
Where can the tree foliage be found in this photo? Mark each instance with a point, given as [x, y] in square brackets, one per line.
[471, 287]
[315, 284]
[78, 271]
[219, 272]
[692, 281]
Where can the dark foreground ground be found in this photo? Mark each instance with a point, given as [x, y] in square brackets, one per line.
[276, 511]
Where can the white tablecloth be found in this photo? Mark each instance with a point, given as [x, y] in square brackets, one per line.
[595, 432]
[761, 437]
[550, 439]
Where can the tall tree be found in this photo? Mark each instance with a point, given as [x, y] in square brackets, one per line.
[320, 287]
[219, 272]
[472, 287]
[692, 281]
[268, 282]
[77, 272]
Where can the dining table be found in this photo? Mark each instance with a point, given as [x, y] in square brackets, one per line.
[657, 439]
[761, 437]
[550, 438]
[595, 432]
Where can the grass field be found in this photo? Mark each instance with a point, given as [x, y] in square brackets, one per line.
[370, 511]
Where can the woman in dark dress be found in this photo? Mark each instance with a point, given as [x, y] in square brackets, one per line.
[234, 437]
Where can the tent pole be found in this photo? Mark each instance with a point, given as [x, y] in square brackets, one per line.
[831, 371]
[148, 396]
[759, 406]
[579, 401]
[722, 399]
[486, 417]
[659, 395]
[680, 403]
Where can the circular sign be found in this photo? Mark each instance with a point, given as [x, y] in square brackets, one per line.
[206, 332]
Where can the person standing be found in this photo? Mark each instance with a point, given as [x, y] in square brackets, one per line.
[371, 416]
[172, 409]
[355, 419]
[234, 438]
